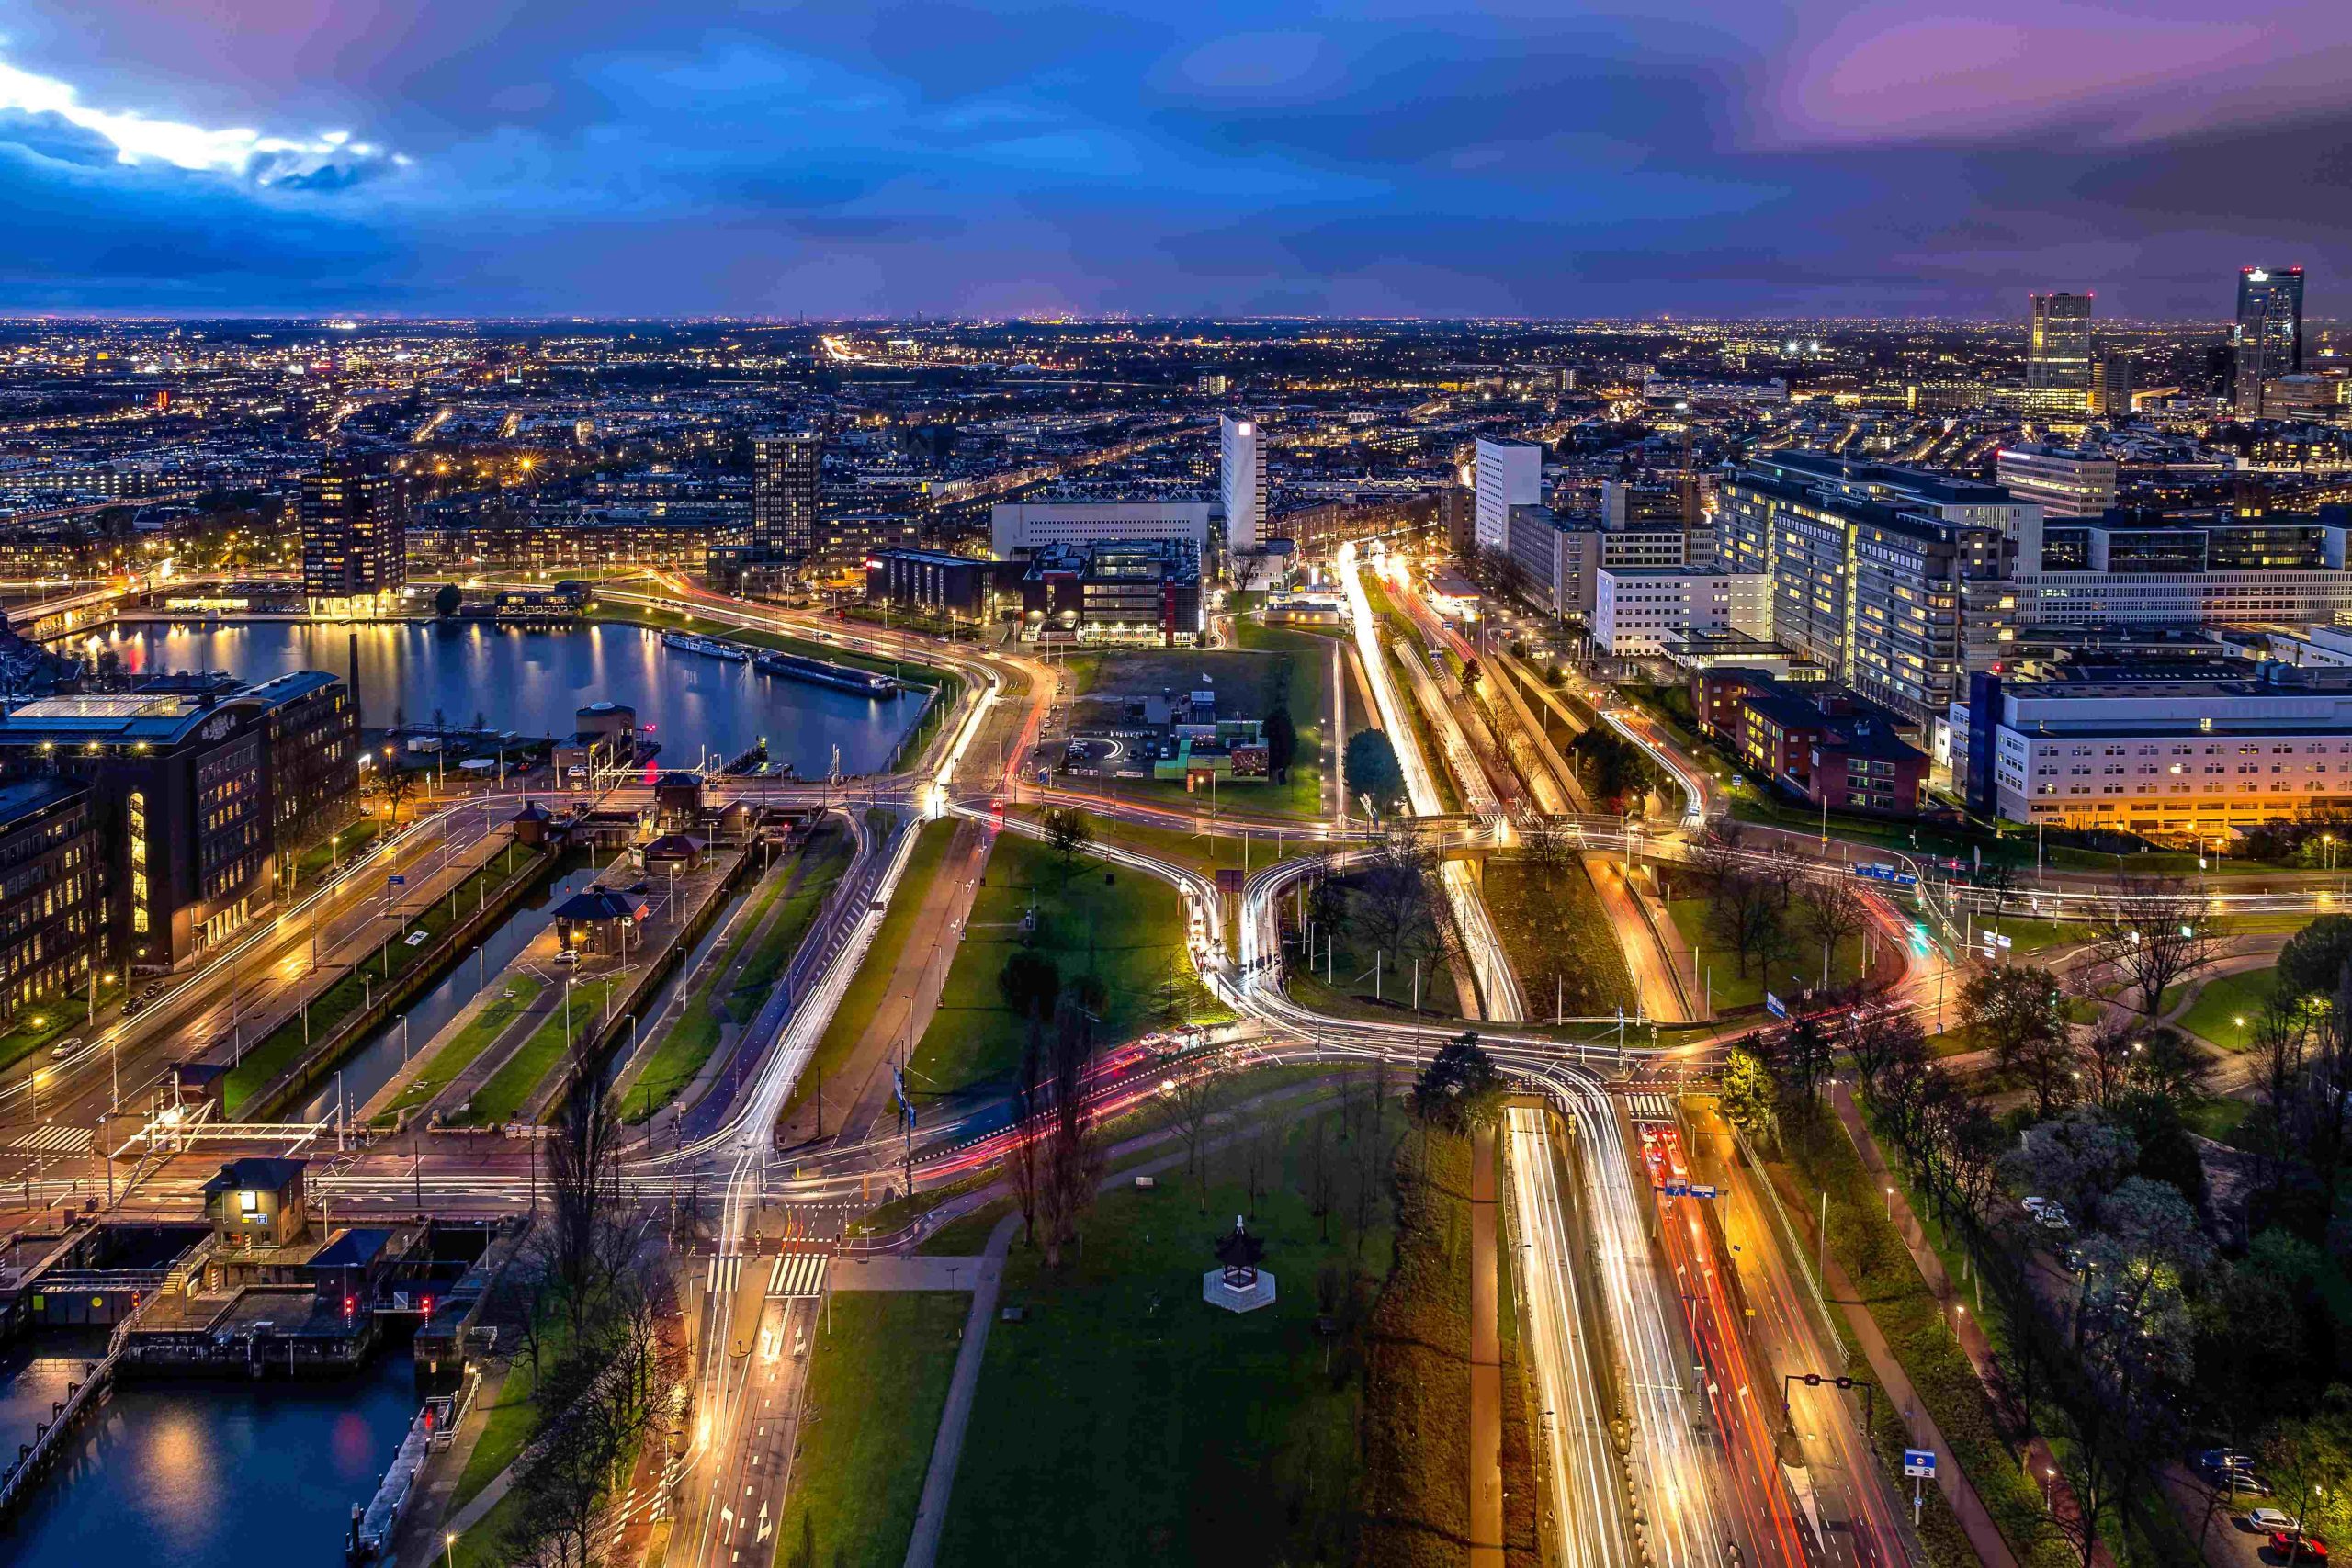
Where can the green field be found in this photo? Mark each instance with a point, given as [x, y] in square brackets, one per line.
[880, 1365]
[467, 1044]
[1148, 1426]
[2221, 1003]
[870, 984]
[510, 1086]
[1129, 931]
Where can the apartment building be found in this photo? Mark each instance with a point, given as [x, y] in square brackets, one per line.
[1638, 610]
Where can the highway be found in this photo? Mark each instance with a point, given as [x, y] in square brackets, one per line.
[1500, 995]
[1581, 1477]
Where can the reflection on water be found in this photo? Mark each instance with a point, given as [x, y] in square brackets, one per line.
[219, 1475]
[536, 681]
[372, 1064]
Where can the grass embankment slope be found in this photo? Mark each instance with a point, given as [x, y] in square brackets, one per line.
[1558, 938]
[879, 1366]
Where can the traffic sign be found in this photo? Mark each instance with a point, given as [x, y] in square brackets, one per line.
[1700, 1190]
[1775, 1006]
[1919, 1462]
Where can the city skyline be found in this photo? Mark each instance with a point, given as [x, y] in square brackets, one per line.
[937, 160]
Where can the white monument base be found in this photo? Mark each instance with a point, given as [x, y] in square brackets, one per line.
[1236, 1297]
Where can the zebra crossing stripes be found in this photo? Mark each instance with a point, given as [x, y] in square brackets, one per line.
[798, 1275]
[726, 1272]
[53, 1140]
[1651, 1107]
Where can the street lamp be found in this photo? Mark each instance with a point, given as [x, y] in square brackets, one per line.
[449, 1548]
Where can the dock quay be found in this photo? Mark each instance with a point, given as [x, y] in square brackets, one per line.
[791, 666]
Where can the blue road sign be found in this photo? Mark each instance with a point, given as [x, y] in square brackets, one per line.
[1775, 1006]
[1919, 1462]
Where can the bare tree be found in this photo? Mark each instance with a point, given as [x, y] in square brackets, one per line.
[1393, 885]
[1025, 1152]
[1073, 1158]
[1261, 1147]
[1192, 1104]
[2155, 933]
[1320, 1173]
[1744, 916]
[1833, 910]
[583, 1195]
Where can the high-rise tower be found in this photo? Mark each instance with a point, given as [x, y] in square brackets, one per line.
[2058, 342]
[2269, 342]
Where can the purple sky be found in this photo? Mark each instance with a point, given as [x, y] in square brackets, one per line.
[1716, 157]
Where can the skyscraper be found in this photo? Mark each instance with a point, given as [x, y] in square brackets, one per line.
[1241, 483]
[2269, 342]
[353, 541]
[784, 474]
[2058, 342]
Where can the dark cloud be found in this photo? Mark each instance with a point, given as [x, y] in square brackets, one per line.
[1802, 158]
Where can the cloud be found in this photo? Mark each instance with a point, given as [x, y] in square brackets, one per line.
[138, 138]
[1520, 156]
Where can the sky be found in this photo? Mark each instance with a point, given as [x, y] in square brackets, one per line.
[1038, 157]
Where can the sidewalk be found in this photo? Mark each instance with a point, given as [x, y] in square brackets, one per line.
[1486, 1363]
[1967, 1329]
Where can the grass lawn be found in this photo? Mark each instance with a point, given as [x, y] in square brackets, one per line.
[1129, 931]
[2031, 936]
[871, 984]
[510, 1086]
[1354, 990]
[350, 840]
[1270, 663]
[467, 1044]
[38, 1025]
[2214, 1014]
[969, 1236]
[1557, 938]
[1151, 1428]
[688, 1043]
[396, 957]
[1732, 990]
[822, 861]
[880, 1365]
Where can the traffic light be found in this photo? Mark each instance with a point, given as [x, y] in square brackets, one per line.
[428, 1307]
[350, 1305]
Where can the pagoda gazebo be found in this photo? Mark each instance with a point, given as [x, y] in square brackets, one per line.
[1237, 1283]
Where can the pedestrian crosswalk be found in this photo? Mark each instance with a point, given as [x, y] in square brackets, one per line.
[798, 1275]
[726, 1272]
[53, 1140]
[1651, 1107]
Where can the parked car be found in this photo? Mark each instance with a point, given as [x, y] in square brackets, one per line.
[2035, 1203]
[2054, 1218]
[2221, 1459]
[2302, 1545]
[65, 1047]
[2270, 1519]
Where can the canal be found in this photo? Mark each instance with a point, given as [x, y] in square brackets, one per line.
[200, 1475]
[536, 681]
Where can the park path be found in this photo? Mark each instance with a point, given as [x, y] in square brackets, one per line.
[1967, 1327]
[1486, 1455]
